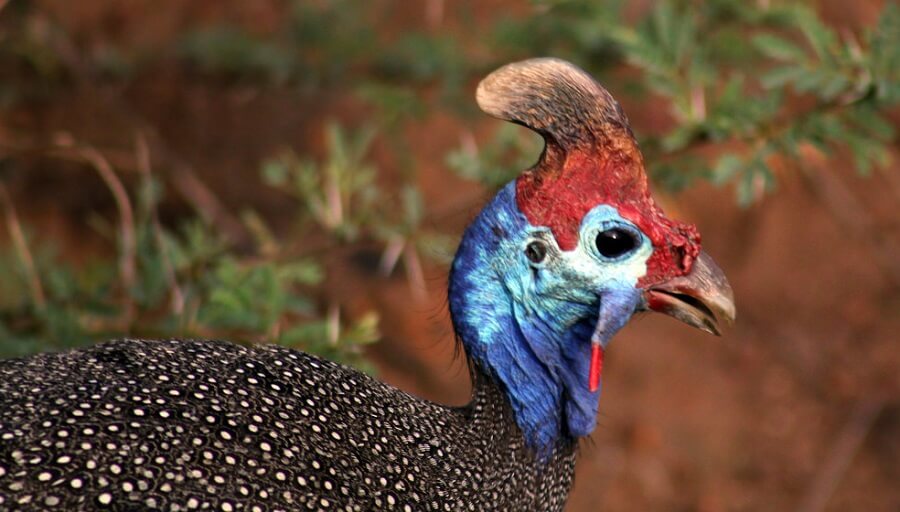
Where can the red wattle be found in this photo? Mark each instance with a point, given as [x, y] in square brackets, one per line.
[596, 366]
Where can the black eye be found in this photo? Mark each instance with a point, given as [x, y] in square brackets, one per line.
[536, 251]
[615, 242]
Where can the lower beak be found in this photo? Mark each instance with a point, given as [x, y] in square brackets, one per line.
[702, 298]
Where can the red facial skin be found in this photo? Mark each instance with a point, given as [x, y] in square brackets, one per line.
[559, 198]
[558, 194]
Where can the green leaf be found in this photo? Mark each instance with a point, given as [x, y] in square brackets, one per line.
[680, 137]
[821, 38]
[412, 205]
[778, 48]
[781, 76]
[233, 52]
[274, 173]
[303, 272]
[834, 86]
[726, 168]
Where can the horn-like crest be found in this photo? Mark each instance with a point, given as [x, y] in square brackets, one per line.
[590, 158]
[559, 101]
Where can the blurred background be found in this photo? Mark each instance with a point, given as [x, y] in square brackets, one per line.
[299, 172]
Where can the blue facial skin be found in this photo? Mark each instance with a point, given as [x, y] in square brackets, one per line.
[529, 325]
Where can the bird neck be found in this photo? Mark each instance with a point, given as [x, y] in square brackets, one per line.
[538, 356]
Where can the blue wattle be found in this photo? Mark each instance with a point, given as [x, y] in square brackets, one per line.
[535, 345]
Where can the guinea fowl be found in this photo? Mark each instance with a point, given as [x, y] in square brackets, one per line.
[546, 274]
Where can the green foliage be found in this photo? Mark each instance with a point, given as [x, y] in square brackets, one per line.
[187, 282]
[341, 196]
[721, 90]
[502, 159]
[695, 56]
[29, 68]
[235, 290]
[340, 193]
[234, 53]
[748, 88]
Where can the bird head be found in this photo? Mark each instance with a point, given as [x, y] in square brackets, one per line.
[564, 255]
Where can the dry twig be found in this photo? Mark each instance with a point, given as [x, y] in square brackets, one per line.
[414, 273]
[142, 155]
[127, 240]
[843, 450]
[851, 212]
[21, 245]
[182, 175]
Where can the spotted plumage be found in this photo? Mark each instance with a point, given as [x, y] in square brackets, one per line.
[552, 268]
[209, 425]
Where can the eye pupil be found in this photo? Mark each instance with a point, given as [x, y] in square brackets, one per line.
[536, 252]
[615, 242]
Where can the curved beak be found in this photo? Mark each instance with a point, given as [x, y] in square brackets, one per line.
[702, 299]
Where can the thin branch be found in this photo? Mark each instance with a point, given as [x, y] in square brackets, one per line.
[202, 198]
[391, 255]
[68, 150]
[333, 319]
[851, 212]
[21, 245]
[121, 160]
[414, 273]
[182, 175]
[176, 300]
[771, 129]
[893, 178]
[128, 241]
[698, 103]
[335, 210]
[843, 451]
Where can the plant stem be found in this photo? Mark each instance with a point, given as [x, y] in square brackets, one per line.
[21, 245]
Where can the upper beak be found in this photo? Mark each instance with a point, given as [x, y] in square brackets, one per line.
[702, 298]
